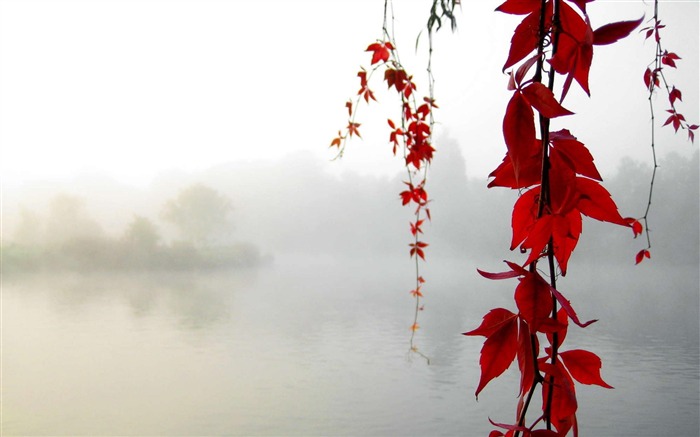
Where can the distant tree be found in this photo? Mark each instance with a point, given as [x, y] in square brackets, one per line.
[30, 230]
[142, 234]
[199, 213]
[68, 221]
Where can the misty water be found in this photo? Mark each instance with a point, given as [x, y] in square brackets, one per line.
[314, 346]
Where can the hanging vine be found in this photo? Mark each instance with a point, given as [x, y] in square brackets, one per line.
[557, 181]
[654, 79]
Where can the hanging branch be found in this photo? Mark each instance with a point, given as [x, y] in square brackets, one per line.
[653, 78]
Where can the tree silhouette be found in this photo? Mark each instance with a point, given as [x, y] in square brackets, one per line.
[200, 214]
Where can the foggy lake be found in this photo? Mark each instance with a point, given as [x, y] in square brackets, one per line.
[182, 254]
[310, 346]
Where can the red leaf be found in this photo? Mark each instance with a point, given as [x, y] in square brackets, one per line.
[380, 51]
[644, 253]
[669, 59]
[510, 427]
[498, 351]
[523, 69]
[566, 231]
[544, 433]
[576, 152]
[525, 357]
[416, 227]
[496, 276]
[525, 36]
[524, 216]
[530, 172]
[538, 236]
[584, 366]
[674, 95]
[492, 322]
[562, 323]
[353, 129]
[336, 141]
[613, 32]
[534, 300]
[647, 77]
[596, 202]
[651, 78]
[637, 227]
[542, 99]
[566, 305]
[581, 4]
[519, 7]
[417, 249]
[676, 119]
[516, 268]
[518, 131]
[575, 51]
[396, 78]
[564, 404]
[562, 182]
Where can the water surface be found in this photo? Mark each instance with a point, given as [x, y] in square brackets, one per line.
[301, 348]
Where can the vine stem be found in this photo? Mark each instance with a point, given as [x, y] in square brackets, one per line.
[388, 30]
[544, 204]
[657, 67]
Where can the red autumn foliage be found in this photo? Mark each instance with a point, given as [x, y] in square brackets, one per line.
[558, 183]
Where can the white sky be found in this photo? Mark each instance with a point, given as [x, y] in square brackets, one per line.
[130, 88]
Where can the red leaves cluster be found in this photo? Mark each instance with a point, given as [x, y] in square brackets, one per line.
[513, 336]
[558, 183]
[575, 40]
[652, 76]
[573, 177]
[410, 135]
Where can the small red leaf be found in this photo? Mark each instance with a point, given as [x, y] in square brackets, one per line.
[525, 356]
[637, 227]
[519, 7]
[644, 253]
[576, 152]
[353, 129]
[523, 69]
[496, 276]
[492, 322]
[534, 300]
[542, 99]
[510, 427]
[674, 95]
[584, 366]
[498, 352]
[613, 32]
[380, 51]
[518, 131]
[596, 202]
[524, 40]
[566, 305]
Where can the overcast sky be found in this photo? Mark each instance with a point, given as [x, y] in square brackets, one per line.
[132, 88]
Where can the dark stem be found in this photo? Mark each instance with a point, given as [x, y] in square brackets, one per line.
[657, 66]
[544, 128]
[544, 200]
[537, 380]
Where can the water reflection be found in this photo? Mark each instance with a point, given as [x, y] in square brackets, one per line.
[307, 348]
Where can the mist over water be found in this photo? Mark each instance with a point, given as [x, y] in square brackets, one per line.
[293, 319]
